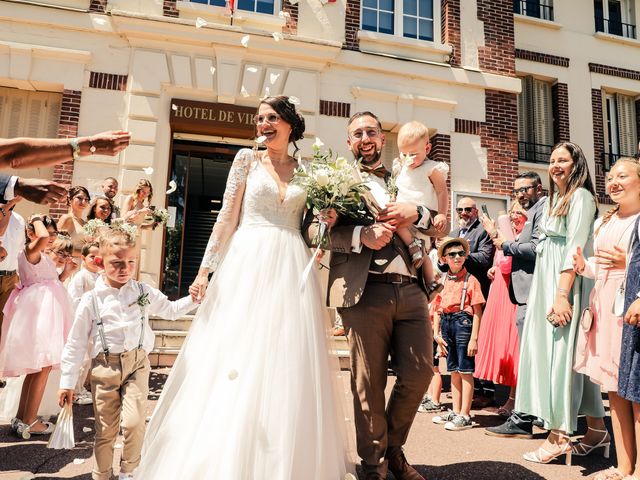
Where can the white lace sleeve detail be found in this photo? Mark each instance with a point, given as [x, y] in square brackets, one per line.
[229, 214]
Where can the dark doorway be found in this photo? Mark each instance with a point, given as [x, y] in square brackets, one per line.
[200, 171]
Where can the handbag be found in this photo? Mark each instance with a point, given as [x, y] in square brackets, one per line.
[62, 436]
[586, 320]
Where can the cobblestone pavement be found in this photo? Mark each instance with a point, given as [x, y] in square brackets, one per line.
[438, 454]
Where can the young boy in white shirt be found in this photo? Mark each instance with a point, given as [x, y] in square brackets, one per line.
[83, 281]
[114, 316]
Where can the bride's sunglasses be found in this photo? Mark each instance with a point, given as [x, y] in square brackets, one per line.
[269, 118]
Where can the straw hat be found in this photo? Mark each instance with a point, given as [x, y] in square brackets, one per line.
[446, 242]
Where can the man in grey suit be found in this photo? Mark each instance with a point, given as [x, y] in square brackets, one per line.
[528, 192]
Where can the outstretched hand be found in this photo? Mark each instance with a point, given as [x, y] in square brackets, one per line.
[111, 142]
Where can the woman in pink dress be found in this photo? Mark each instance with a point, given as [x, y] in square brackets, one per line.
[498, 352]
[598, 347]
[37, 319]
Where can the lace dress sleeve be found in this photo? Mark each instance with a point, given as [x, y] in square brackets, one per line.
[229, 214]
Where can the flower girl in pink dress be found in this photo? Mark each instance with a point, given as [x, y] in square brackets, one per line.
[37, 319]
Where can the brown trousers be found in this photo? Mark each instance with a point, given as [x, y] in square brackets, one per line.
[388, 320]
[7, 284]
[120, 386]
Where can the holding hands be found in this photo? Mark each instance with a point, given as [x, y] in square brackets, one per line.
[199, 286]
[376, 236]
[440, 222]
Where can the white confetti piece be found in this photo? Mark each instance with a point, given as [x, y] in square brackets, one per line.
[212, 70]
[245, 41]
[252, 69]
[233, 374]
[117, 445]
[294, 100]
[284, 15]
[243, 92]
[200, 22]
[267, 92]
[78, 461]
[260, 139]
[277, 36]
[173, 186]
[99, 20]
[148, 170]
[174, 107]
[273, 78]
[86, 429]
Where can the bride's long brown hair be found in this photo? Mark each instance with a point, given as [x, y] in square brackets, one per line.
[578, 178]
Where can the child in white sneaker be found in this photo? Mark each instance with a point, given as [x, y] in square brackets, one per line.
[114, 316]
[456, 322]
[84, 281]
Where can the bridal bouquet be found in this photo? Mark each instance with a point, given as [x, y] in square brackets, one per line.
[92, 227]
[330, 183]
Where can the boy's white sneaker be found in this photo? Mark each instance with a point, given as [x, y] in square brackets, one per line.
[125, 476]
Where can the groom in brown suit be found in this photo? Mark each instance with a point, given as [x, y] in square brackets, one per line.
[383, 305]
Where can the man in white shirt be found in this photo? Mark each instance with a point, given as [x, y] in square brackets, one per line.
[110, 190]
[12, 243]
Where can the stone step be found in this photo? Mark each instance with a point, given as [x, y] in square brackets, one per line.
[163, 357]
[170, 338]
[183, 323]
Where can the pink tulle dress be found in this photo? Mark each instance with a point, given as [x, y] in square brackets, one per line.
[498, 344]
[37, 319]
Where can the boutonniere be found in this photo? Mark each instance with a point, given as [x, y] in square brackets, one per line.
[142, 300]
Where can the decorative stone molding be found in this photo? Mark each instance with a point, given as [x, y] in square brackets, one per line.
[614, 71]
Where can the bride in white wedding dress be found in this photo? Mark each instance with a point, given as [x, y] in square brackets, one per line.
[251, 395]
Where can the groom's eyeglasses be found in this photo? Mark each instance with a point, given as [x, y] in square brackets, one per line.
[457, 253]
[269, 118]
[357, 135]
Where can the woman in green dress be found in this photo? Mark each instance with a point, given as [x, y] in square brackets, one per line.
[547, 385]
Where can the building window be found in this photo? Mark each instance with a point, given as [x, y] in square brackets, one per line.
[620, 136]
[258, 6]
[409, 18]
[615, 17]
[534, 8]
[535, 121]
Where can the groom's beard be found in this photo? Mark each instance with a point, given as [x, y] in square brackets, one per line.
[369, 160]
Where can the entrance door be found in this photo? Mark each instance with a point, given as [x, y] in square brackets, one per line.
[200, 171]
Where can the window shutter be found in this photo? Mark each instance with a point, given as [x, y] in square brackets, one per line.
[53, 116]
[17, 107]
[530, 109]
[522, 114]
[3, 111]
[543, 123]
[626, 124]
[35, 115]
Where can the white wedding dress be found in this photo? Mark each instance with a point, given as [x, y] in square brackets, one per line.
[251, 396]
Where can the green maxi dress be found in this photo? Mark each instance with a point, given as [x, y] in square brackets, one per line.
[547, 385]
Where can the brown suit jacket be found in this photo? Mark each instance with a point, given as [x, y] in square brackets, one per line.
[348, 271]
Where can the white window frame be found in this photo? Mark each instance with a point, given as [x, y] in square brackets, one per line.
[545, 13]
[277, 6]
[627, 15]
[618, 111]
[398, 20]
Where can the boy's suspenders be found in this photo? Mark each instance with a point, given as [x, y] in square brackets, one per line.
[100, 324]
[96, 312]
[464, 291]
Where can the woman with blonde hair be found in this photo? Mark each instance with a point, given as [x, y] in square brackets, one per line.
[600, 342]
[73, 221]
[138, 205]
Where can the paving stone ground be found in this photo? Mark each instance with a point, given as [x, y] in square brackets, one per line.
[436, 453]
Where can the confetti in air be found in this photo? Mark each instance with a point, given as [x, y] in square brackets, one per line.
[117, 445]
[233, 374]
[277, 36]
[245, 41]
[200, 22]
[273, 78]
[212, 70]
[86, 429]
[148, 170]
[260, 139]
[244, 92]
[99, 20]
[267, 92]
[174, 107]
[284, 15]
[173, 186]
[252, 69]
[294, 100]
